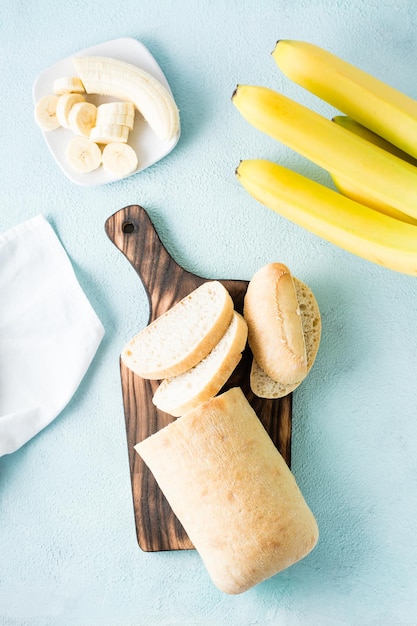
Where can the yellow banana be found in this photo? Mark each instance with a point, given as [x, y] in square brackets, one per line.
[330, 215]
[374, 172]
[345, 121]
[373, 103]
[349, 188]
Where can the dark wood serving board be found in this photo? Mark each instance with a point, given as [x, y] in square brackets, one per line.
[133, 233]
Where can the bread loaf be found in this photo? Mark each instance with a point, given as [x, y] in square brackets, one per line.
[264, 386]
[183, 336]
[232, 491]
[182, 393]
[275, 332]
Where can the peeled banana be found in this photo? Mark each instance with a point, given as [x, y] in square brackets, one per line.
[376, 173]
[121, 119]
[109, 133]
[111, 77]
[358, 229]
[381, 108]
[119, 159]
[45, 113]
[116, 108]
[67, 84]
[111, 122]
[83, 155]
[64, 106]
[82, 118]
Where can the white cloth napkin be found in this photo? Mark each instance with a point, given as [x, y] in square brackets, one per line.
[49, 332]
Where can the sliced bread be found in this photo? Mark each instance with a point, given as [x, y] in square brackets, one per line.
[182, 393]
[264, 386]
[183, 336]
[275, 332]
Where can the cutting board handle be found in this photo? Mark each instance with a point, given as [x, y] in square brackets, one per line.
[132, 231]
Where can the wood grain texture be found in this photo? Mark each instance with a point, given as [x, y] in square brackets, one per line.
[165, 282]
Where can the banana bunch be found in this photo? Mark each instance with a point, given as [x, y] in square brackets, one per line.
[371, 159]
[108, 124]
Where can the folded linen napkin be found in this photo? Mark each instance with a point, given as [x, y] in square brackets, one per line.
[49, 333]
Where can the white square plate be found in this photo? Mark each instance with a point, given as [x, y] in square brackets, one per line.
[145, 142]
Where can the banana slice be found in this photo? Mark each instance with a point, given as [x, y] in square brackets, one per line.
[116, 108]
[83, 155]
[64, 106]
[82, 118]
[45, 113]
[121, 119]
[68, 84]
[111, 77]
[119, 159]
[109, 133]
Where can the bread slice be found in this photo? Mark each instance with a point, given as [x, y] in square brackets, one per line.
[182, 393]
[232, 491]
[183, 336]
[264, 386]
[275, 332]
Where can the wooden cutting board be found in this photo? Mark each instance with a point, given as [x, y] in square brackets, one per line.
[133, 233]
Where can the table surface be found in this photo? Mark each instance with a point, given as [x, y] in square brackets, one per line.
[68, 551]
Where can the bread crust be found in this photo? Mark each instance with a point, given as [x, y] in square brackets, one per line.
[232, 491]
[260, 383]
[275, 332]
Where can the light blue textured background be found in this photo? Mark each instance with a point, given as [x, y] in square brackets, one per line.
[68, 552]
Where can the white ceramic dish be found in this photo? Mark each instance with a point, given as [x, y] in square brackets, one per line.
[147, 145]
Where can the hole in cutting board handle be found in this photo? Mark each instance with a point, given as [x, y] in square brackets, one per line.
[128, 227]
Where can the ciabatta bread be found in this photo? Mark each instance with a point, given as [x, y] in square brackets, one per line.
[183, 336]
[232, 491]
[275, 332]
[264, 386]
[182, 393]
